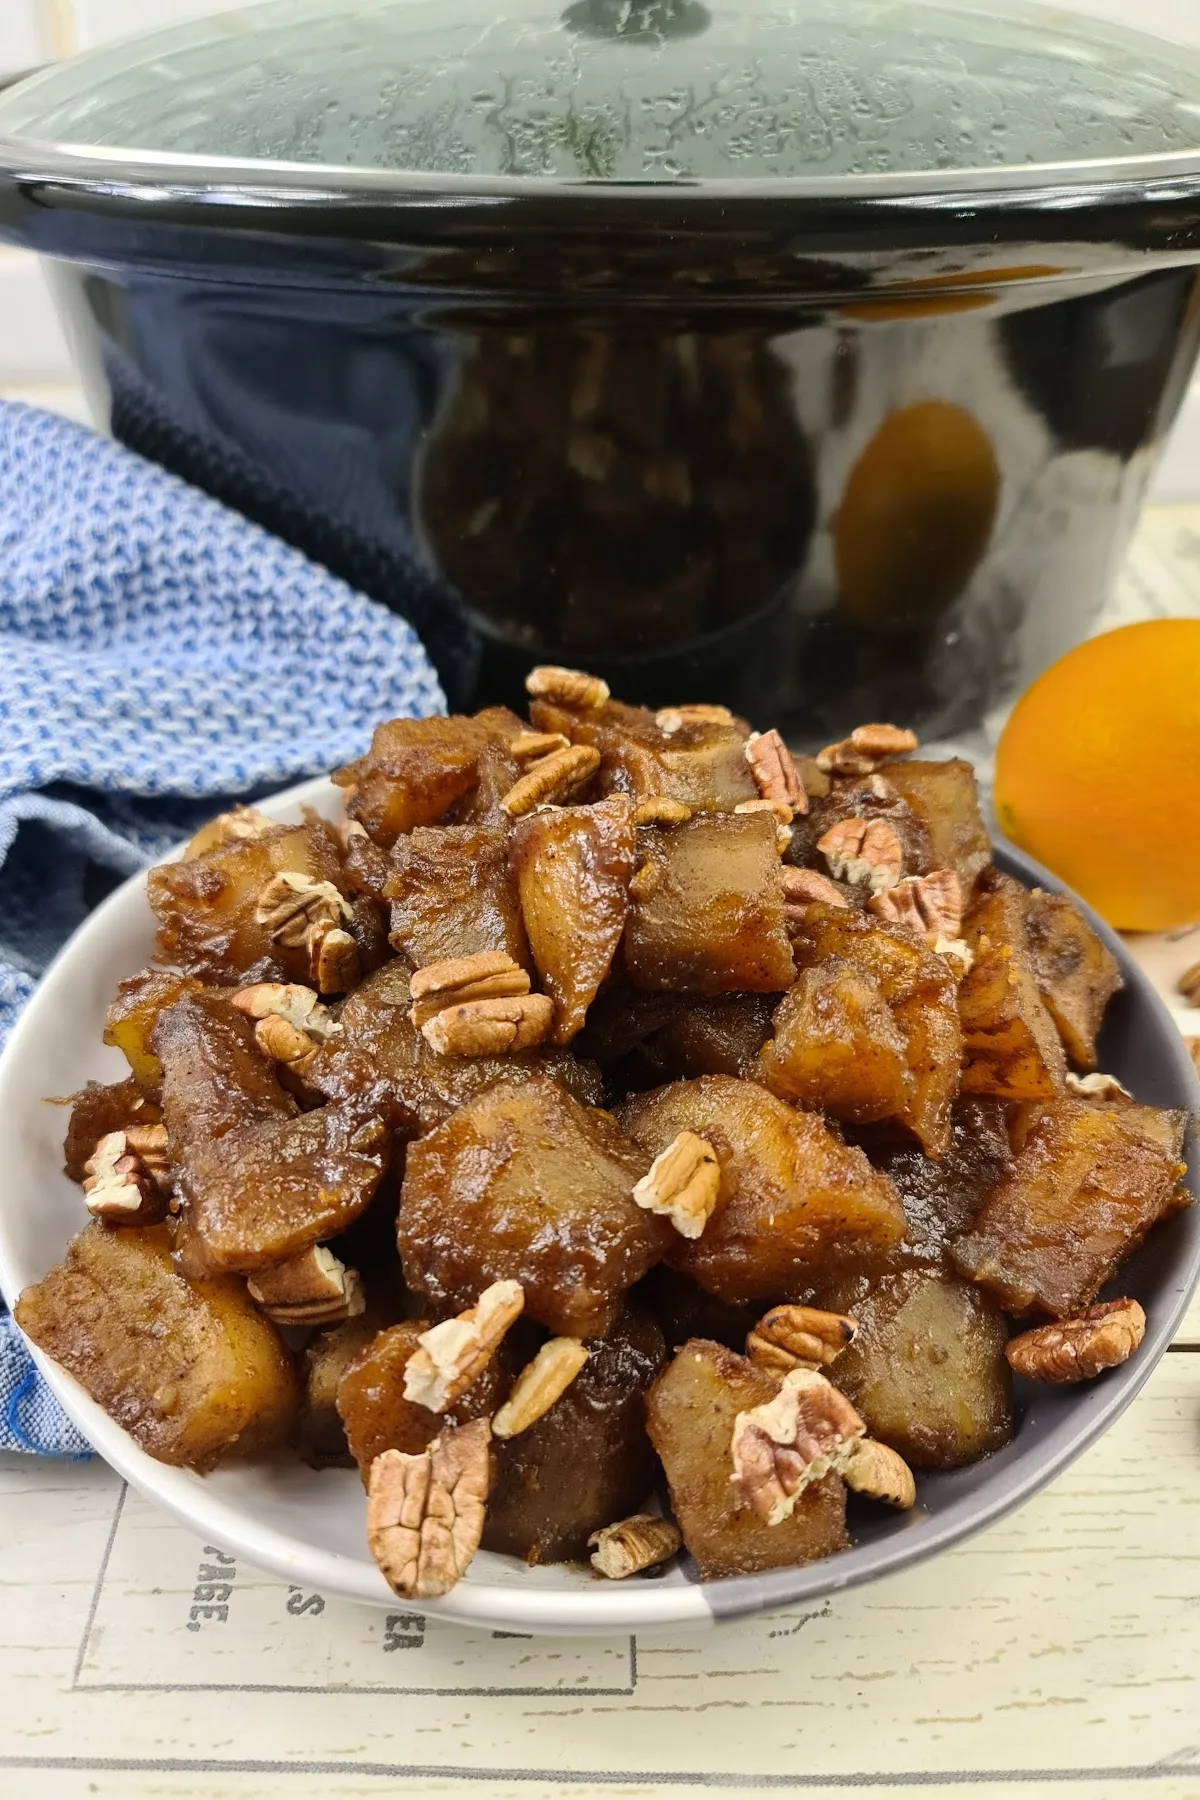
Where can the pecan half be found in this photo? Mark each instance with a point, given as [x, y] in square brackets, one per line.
[491, 1027]
[312, 1289]
[425, 1513]
[682, 1182]
[658, 810]
[631, 1545]
[531, 746]
[799, 1337]
[1080, 1348]
[1189, 984]
[671, 719]
[1097, 1087]
[566, 687]
[779, 809]
[457, 980]
[333, 960]
[878, 1473]
[803, 888]
[236, 826]
[931, 905]
[539, 1385]
[779, 1448]
[292, 905]
[118, 1187]
[449, 1356]
[775, 774]
[149, 1144]
[553, 778]
[297, 1005]
[867, 746]
[863, 850]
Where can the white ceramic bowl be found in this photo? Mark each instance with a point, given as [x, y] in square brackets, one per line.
[307, 1526]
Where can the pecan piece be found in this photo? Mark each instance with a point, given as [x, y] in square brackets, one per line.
[874, 1470]
[451, 1355]
[671, 719]
[333, 960]
[779, 1448]
[867, 746]
[539, 1385]
[425, 1513]
[682, 1182]
[292, 906]
[149, 1144]
[1080, 1348]
[859, 850]
[295, 1004]
[566, 687]
[775, 774]
[1189, 984]
[799, 1337]
[554, 777]
[658, 810]
[1097, 1087]
[236, 826]
[931, 905]
[312, 1289]
[631, 1545]
[118, 1187]
[531, 746]
[803, 888]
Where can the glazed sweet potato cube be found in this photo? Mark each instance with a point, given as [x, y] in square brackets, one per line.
[498, 770]
[259, 1183]
[919, 991]
[205, 906]
[378, 1041]
[702, 764]
[859, 799]
[927, 1370]
[1012, 1047]
[452, 894]
[373, 1409]
[722, 1036]
[837, 1047]
[690, 1413]
[587, 1461]
[707, 912]
[524, 1184]
[414, 770]
[944, 798]
[95, 1111]
[327, 1356]
[573, 866]
[191, 1371]
[130, 1020]
[1076, 974]
[941, 1199]
[793, 1202]
[1084, 1190]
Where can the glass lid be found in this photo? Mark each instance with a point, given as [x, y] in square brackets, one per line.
[486, 93]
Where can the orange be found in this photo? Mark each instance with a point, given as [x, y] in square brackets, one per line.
[1098, 773]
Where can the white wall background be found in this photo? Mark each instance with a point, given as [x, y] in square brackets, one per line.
[34, 363]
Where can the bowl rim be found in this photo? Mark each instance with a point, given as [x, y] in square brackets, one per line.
[617, 1607]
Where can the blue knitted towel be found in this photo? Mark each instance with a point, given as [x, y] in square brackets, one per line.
[157, 655]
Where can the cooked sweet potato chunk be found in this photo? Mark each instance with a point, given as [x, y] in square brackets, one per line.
[941, 1199]
[944, 798]
[379, 1041]
[699, 763]
[920, 994]
[205, 906]
[525, 1184]
[190, 1371]
[573, 865]
[690, 1413]
[452, 895]
[95, 1111]
[837, 1047]
[414, 770]
[1084, 1190]
[1012, 1046]
[1076, 974]
[139, 1000]
[927, 1370]
[373, 1409]
[326, 1358]
[711, 1037]
[259, 1183]
[585, 1462]
[707, 913]
[794, 1200]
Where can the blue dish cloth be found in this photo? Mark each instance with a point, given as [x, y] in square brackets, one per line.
[159, 657]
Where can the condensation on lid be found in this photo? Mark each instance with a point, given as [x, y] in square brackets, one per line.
[625, 90]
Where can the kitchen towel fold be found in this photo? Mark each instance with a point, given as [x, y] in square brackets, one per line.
[159, 655]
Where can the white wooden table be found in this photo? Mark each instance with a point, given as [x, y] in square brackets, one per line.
[1058, 1654]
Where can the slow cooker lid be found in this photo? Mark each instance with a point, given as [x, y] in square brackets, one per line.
[816, 94]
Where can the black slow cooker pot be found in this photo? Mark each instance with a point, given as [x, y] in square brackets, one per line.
[811, 360]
